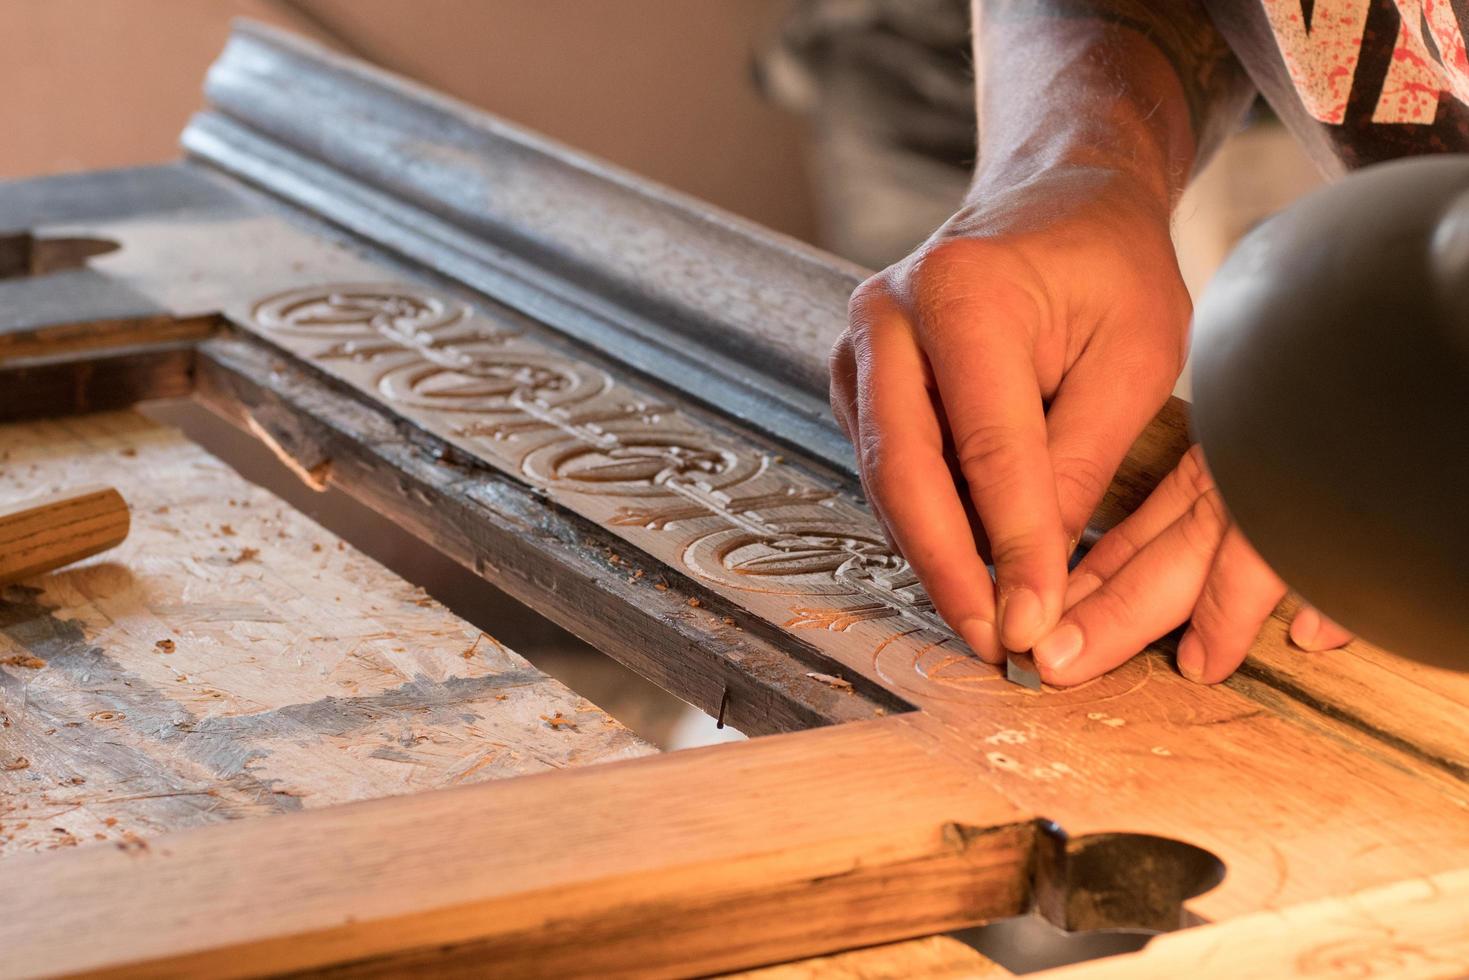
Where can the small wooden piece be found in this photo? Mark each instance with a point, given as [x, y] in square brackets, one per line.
[45, 533]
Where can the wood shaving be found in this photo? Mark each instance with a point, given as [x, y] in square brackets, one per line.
[246, 554]
[167, 646]
[841, 684]
[226, 530]
[695, 603]
[23, 660]
[18, 763]
[558, 721]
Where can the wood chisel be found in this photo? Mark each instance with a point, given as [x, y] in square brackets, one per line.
[1020, 669]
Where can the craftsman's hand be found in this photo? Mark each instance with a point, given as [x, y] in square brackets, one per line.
[1177, 557]
[992, 381]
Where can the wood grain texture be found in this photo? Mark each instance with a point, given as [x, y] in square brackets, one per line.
[1410, 930]
[653, 867]
[232, 659]
[1421, 709]
[45, 533]
[1138, 750]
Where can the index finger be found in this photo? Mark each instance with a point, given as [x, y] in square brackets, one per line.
[900, 451]
[986, 378]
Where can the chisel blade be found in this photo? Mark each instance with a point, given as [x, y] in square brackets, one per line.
[1020, 669]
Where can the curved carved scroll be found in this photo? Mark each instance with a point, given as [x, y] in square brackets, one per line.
[767, 534]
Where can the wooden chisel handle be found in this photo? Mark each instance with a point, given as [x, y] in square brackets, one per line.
[45, 533]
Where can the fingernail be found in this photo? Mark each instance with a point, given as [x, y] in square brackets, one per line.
[1059, 649]
[1191, 657]
[980, 635]
[1305, 628]
[1022, 617]
[1081, 585]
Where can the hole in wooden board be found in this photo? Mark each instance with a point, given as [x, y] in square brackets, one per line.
[22, 254]
[1099, 895]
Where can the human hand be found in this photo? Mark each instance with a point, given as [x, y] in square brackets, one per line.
[992, 381]
[1177, 557]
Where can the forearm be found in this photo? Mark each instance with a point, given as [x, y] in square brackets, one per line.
[1141, 89]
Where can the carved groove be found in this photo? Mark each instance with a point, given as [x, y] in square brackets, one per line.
[798, 553]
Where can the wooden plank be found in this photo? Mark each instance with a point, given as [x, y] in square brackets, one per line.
[1415, 929]
[685, 863]
[58, 339]
[233, 659]
[1138, 750]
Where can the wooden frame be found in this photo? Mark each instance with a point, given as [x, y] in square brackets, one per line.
[609, 401]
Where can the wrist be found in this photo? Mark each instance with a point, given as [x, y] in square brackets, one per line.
[1006, 199]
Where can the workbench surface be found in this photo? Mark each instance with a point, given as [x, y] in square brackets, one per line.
[233, 659]
[609, 403]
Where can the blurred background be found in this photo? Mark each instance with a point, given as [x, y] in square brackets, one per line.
[845, 123]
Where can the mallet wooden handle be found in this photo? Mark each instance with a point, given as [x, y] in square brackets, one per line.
[44, 533]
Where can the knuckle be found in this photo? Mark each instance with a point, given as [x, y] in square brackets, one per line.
[871, 295]
[1016, 552]
[1106, 608]
[1203, 527]
[1194, 473]
[880, 466]
[1081, 479]
[989, 458]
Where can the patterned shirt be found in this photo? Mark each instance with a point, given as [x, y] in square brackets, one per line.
[1357, 81]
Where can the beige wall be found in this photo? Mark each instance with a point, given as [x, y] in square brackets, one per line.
[657, 86]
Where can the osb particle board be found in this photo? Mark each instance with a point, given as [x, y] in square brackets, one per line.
[232, 658]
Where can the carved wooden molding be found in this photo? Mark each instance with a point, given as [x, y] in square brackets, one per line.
[714, 505]
[726, 311]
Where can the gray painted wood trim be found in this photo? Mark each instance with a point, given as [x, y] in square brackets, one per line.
[732, 314]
